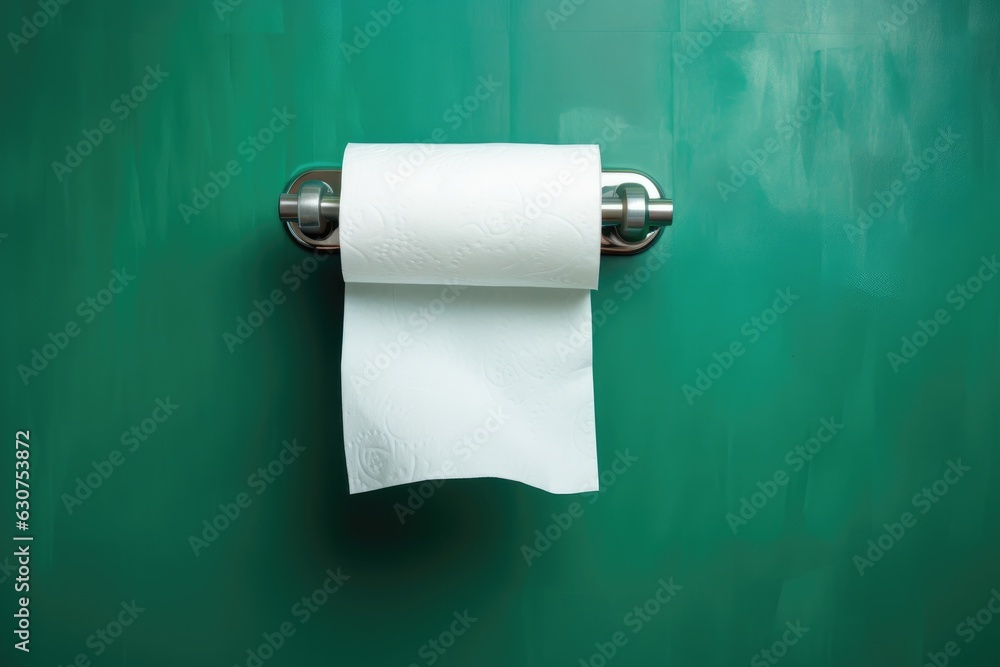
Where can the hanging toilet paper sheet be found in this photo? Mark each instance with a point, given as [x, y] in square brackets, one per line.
[467, 323]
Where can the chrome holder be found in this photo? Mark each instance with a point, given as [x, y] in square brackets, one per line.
[633, 211]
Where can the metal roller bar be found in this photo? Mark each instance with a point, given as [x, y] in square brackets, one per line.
[632, 210]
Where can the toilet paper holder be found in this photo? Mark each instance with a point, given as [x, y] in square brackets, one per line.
[633, 210]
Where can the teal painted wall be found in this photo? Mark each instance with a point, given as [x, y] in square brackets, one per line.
[772, 125]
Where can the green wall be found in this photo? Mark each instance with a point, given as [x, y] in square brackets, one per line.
[778, 306]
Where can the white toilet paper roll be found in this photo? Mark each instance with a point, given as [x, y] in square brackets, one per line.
[459, 357]
[484, 214]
